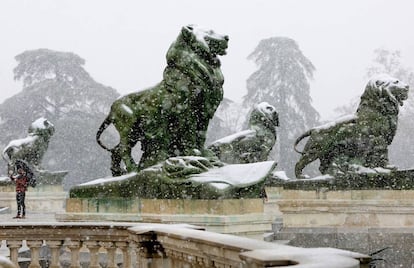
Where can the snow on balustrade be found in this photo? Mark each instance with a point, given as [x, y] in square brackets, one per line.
[108, 244]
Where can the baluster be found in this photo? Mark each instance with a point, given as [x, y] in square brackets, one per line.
[14, 246]
[111, 250]
[34, 253]
[55, 248]
[141, 260]
[93, 252]
[74, 247]
[126, 254]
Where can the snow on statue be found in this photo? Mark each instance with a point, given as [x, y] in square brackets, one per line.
[171, 118]
[32, 148]
[360, 140]
[29, 152]
[252, 145]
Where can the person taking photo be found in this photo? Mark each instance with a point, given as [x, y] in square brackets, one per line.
[21, 181]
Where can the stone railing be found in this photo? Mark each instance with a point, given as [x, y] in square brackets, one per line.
[155, 245]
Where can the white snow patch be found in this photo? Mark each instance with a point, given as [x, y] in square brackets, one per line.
[127, 109]
[240, 175]
[338, 121]
[201, 33]
[3, 179]
[249, 133]
[321, 178]
[384, 78]
[40, 123]
[20, 142]
[365, 170]
[280, 174]
[220, 186]
[110, 179]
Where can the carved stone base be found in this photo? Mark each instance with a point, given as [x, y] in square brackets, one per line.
[360, 220]
[236, 216]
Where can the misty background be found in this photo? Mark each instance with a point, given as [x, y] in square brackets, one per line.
[117, 47]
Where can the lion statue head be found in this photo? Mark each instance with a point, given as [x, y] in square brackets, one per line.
[205, 42]
[32, 148]
[361, 139]
[264, 116]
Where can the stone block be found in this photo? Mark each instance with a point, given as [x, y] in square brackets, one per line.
[73, 205]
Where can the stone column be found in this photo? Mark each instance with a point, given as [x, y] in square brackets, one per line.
[93, 247]
[55, 249]
[74, 247]
[14, 246]
[126, 253]
[111, 249]
[34, 253]
[141, 260]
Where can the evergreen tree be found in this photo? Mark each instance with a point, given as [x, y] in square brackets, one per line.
[282, 79]
[56, 86]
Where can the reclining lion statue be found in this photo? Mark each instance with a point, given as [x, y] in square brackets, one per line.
[361, 139]
[32, 148]
[171, 118]
[251, 145]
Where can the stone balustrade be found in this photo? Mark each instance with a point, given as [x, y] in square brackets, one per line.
[156, 245]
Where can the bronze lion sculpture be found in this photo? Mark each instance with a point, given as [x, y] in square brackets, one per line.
[251, 145]
[171, 118]
[361, 139]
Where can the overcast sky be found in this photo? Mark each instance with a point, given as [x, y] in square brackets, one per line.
[124, 42]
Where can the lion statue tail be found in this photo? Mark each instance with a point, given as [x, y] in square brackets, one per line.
[301, 137]
[101, 129]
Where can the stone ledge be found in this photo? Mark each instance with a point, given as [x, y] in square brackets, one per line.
[394, 180]
[165, 206]
[397, 243]
[233, 224]
[75, 217]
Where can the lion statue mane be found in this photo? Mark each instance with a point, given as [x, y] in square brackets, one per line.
[32, 148]
[171, 118]
[361, 139]
[251, 145]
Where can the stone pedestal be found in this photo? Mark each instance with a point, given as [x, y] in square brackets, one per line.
[366, 220]
[235, 216]
[42, 198]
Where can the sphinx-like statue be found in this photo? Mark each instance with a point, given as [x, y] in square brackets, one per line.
[253, 144]
[361, 139]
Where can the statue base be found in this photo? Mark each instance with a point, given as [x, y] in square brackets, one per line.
[363, 213]
[44, 197]
[233, 216]
[47, 177]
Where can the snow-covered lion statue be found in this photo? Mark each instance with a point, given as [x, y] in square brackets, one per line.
[32, 148]
[251, 145]
[172, 117]
[361, 139]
